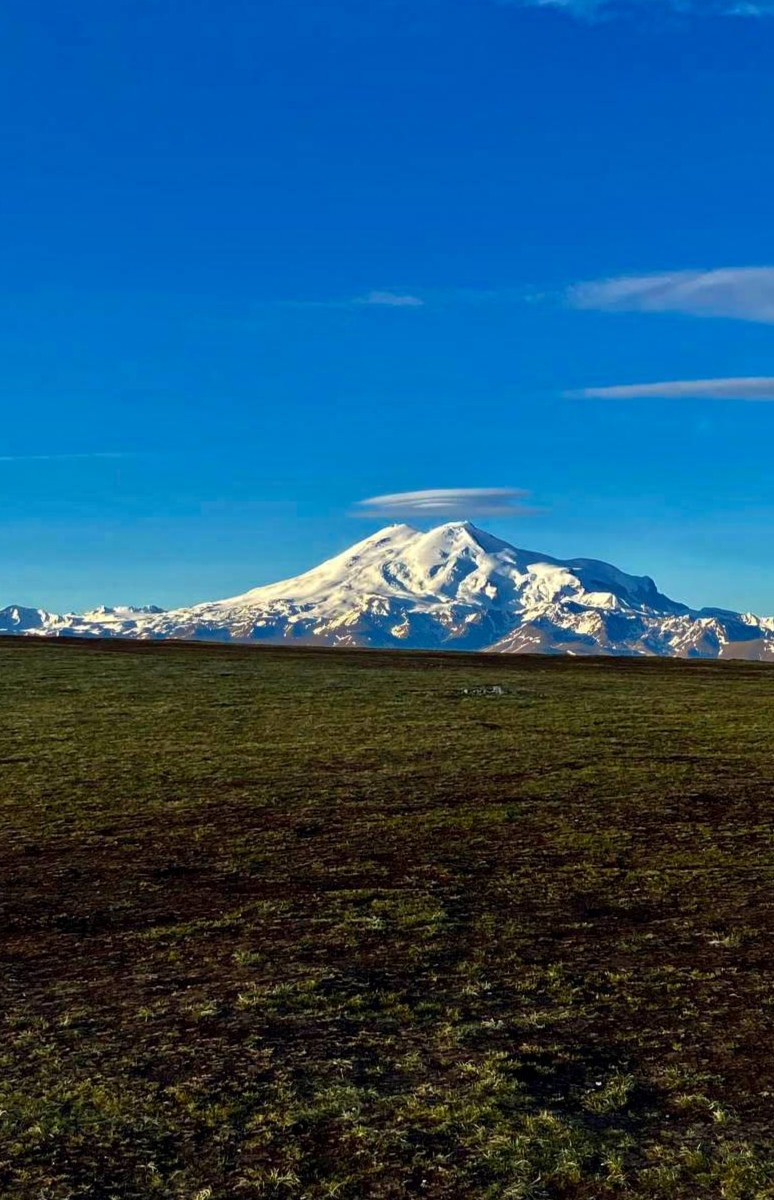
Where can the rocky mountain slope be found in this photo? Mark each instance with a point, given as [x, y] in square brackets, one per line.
[454, 587]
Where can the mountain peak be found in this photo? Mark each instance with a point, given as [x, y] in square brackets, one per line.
[456, 527]
[466, 533]
[392, 530]
[453, 586]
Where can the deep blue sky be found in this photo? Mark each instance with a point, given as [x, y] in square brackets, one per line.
[196, 191]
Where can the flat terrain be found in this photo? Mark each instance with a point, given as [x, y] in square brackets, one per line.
[296, 923]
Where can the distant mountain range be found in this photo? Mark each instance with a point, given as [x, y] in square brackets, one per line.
[454, 588]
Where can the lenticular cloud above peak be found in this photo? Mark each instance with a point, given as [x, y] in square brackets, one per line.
[591, 10]
[445, 502]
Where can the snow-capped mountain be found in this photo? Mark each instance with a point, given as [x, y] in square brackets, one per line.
[455, 587]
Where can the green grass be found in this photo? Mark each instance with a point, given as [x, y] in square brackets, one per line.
[305, 924]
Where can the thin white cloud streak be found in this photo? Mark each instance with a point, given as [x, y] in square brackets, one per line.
[739, 293]
[374, 299]
[389, 300]
[446, 502]
[595, 10]
[14, 458]
[427, 298]
[756, 388]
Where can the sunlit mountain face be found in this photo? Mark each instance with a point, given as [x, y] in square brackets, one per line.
[455, 587]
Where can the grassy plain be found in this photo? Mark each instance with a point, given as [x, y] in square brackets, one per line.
[304, 924]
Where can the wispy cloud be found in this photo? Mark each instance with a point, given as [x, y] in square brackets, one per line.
[595, 10]
[742, 293]
[389, 300]
[13, 458]
[375, 299]
[755, 388]
[447, 502]
[424, 298]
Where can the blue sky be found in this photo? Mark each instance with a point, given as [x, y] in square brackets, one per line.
[264, 261]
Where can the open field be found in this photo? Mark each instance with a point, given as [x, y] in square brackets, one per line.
[296, 923]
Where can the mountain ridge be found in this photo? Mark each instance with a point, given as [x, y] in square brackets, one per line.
[451, 587]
